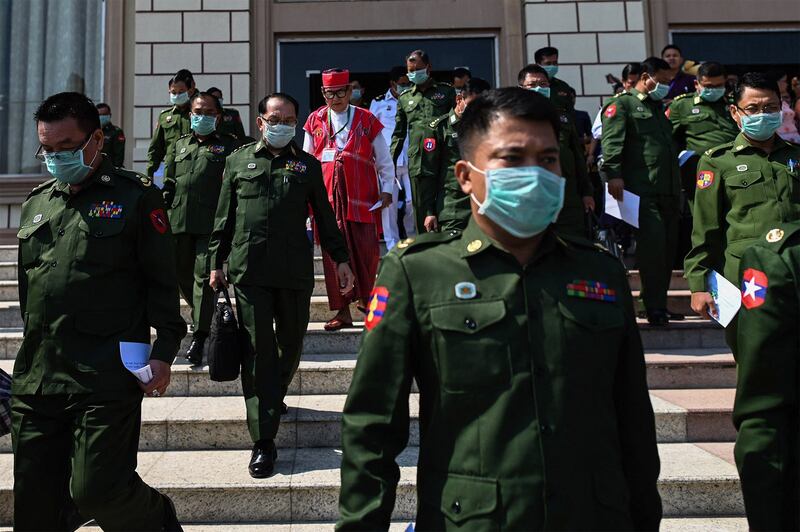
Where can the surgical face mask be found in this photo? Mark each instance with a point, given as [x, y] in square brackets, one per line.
[402, 88]
[105, 120]
[659, 91]
[418, 77]
[551, 70]
[68, 166]
[544, 91]
[712, 94]
[220, 101]
[523, 200]
[279, 135]
[182, 98]
[762, 126]
[356, 94]
[203, 125]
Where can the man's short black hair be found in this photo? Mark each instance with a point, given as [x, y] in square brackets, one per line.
[631, 69]
[755, 80]
[460, 72]
[489, 106]
[183, 76]
[475, 86]
[651, 65]
[69, 105]
[671, 47]
[207, 95]
[103, 105]
[262, 105]
[397, 72]
[530, 69]
[213, 89]
[422, 54]
[710, 69]
[541, 53]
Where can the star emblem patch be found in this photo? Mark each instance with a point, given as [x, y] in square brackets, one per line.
[754, 288]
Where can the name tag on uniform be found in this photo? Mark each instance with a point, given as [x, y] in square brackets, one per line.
[328, 155]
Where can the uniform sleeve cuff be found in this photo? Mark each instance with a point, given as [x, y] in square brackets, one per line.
[697, 283]
[164, 349]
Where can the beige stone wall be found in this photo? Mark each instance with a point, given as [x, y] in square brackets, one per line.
[209, 37]
[594, 38]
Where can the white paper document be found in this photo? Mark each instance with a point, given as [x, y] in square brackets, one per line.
[727, 297]
[684, 156]
[376, 206]
[626, 210]
[135, 357]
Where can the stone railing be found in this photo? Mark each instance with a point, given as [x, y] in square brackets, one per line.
[14, 188]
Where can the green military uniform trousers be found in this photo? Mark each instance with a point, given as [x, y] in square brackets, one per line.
[656, 245]
[77, 452]
[424, 191]
[270, 362]
[191, 253]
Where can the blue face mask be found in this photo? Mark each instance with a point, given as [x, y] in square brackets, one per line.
[762, 126]
[712, 94]
[551, 70]
[105, 120]
[220, 101]
[659, 92]
[68, 166]
[356, 95]
[182, 98]
[402, 88]
[544, 91]
[523, 200]
[203, 125]
[418, 77]
[279, 135]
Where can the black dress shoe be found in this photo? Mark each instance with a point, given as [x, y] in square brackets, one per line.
[284, 409]
[674, 316]
[262, 461]
[658, 318]
[194, 354]
[171, 523]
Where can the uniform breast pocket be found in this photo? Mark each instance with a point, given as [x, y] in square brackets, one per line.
[591, 334]
[644, 121]
[248, 185]
[101, 241]
[746, 190]
[32, 242]
[472, 348]
[700, 123]
[183, 163]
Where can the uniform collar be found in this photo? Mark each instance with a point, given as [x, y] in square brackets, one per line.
[390, 96]
[289, 149]
[743, 144]
[474, 242]
[209, 138]
[641, 96]
[453, 119]
[104, 175]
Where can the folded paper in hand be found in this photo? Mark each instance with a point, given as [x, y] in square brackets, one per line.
[726, 297]
[376, 206]
[626, 210]
[136, 357]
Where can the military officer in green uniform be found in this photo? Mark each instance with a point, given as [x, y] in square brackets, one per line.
[268, 188]
[113, 136]
[191, 191]
[578, 194]
[417, 107]
[701, 120]
[96, 268]
[454, 206]
[173, 123]
[230, 122]
[765, 412]
[534, 410]
[639, 155]
[547, 58]
[744, 188]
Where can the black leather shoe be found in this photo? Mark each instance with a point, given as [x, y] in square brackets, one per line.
[171, 523]
[284, 409]
[674, 316]
[262, 461]
[658, 318]
[194, 354]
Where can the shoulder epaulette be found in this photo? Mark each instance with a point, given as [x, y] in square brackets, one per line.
[41, 187]
[444, 83]
[779, 237]
[435, 123]
[380, 98]
[405, 91]
[167, 110]
[140, 179]
[586, 244]
[718, 150]
[185, 135]
[424, 241]
[230, 136]
[682, 96]
[243, 146]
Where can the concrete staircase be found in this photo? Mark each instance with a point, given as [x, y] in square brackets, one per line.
[195, 447]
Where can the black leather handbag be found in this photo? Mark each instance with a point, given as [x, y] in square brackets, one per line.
[223, 347]
[605, 236]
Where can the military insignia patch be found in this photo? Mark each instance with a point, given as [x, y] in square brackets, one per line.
[296, 166]
[216, 149]
[227, 118]
[591, 290]
[437, 96]
[695, 111]
[668, 112]
[466, 290]
[429, 144]
[169, 118]
[159, 220]
[121, 137]
[705, 179]
[775, 235]
[105, 209]
[376, 307]
[37, 218]
[754, 288]
[474, 246]
[611, 110]
[741, 168]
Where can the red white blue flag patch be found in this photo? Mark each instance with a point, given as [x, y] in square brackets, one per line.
[377, 307]
[754, 288]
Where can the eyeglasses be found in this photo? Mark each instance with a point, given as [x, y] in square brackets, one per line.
[330, 95]
[273, 121]
[62, 155]
[753, 109]
[532, 85]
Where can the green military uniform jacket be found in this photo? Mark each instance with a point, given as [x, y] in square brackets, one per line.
[261, 218]
[699, 125]
[114, 144]
[638, 147]
[534, 410]
[741, 193]
[191, 189]
[95, 268]
[453, 206]
[231, 123]
[416, 109]
[173, 123]
[765, 412]
[573, 168]
[560, 95]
